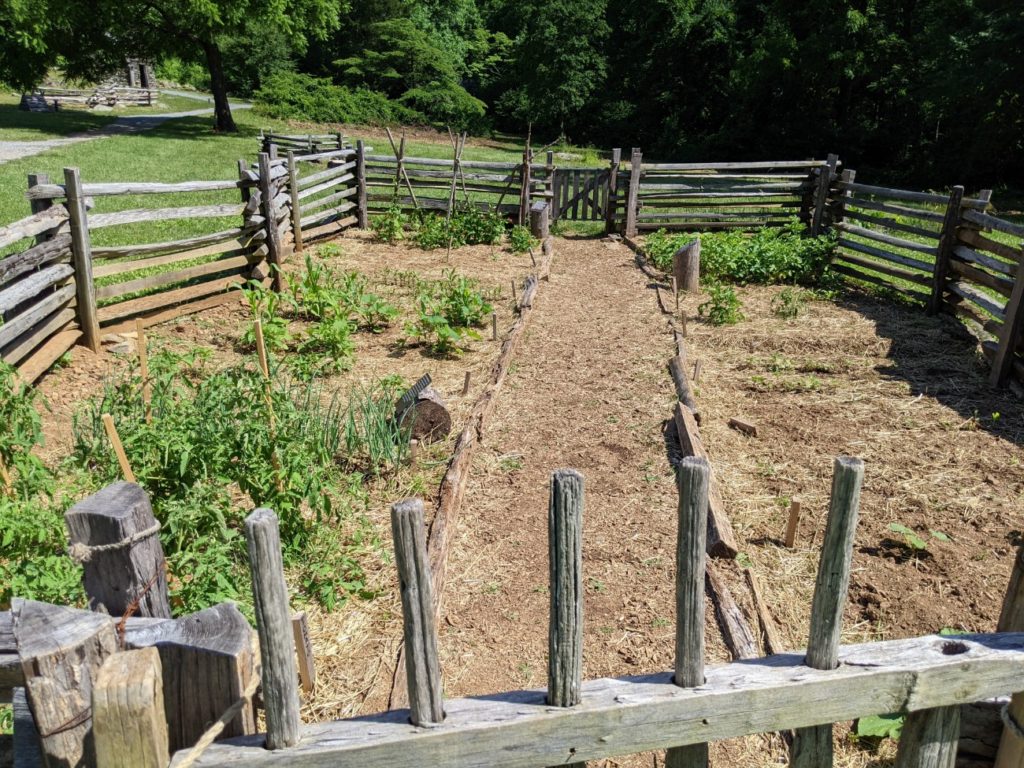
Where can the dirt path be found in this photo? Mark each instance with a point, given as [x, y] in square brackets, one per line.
[589, 391]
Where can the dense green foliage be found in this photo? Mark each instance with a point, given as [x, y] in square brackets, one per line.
[926, 92]
[449, 311]
[769, 255]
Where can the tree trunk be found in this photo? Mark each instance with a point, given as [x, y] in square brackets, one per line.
[224, 122]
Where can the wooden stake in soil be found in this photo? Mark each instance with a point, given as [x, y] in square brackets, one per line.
[697, 366]
[494, 326]
[694, 476]
[5, 477]
[304, 651]
[1011, 619]
[793, 524]
[115, 441]
[565, 624]
[812, 746]
[140, 345]
[423, 671]
[277, 646]
[465, 384]
[686, 266]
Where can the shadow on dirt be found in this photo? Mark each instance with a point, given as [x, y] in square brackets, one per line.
[938, 357]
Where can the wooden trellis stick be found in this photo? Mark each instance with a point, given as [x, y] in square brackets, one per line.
[261, 351]
[400, 173]
[140, 345]
[5, 477]
[115, 441]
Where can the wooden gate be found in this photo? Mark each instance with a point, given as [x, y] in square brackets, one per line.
[579, 194]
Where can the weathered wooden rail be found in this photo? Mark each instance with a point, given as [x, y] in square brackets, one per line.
[143, 703]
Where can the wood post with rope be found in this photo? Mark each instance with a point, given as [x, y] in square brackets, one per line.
[114, 535]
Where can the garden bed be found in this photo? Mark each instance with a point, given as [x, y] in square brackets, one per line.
[349, 642]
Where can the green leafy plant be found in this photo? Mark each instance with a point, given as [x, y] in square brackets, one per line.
[327, 348]
[912, 540]
[266, 306]
[880, 727]
[389, 226]
[436, 231]
[769, 255]
[722, 306]
[788, 303]
[211, 442]
[375, 442]
[473, 225]
[520, 240]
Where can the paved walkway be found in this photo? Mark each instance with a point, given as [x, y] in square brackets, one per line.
[15, 150]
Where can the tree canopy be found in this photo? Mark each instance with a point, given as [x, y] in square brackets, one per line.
[923, 90]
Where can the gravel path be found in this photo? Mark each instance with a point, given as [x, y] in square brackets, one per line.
[15, 150]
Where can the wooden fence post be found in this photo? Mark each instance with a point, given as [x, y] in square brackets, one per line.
[634, 191]
[293, 188]
[947, 239]
[565, 623]
[270, 221]
[423, 671]
[540, 225]
[839, 210]
[277, 647]
[1011, 619]
[821, 193]
[114, 535]
[128, 721]
[61, 649]
[81, 252]
[362, 214]
[613, 187]
[38, 206]
[525, 197]
[693, 479]
[930, 738]
[1011, 332]
[549, 184]
[812, 746]
[214, 646]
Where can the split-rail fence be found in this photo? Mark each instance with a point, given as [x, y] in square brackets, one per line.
[60, 285]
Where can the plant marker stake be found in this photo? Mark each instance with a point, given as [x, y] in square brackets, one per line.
[494, 326]
[675, 293]
[5, 476]
[514, 291]
[794, 521]
[115, 441]
[140, 345]
[465, 385]
[261, 351]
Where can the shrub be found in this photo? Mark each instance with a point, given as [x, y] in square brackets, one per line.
[722, 306]
[290, 95]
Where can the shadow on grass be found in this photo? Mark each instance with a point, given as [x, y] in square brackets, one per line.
[49, 124]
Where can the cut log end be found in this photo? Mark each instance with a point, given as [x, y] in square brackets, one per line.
[428, 417]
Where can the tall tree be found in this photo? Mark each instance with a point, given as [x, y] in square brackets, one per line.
[92, 39]
[559, 61]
